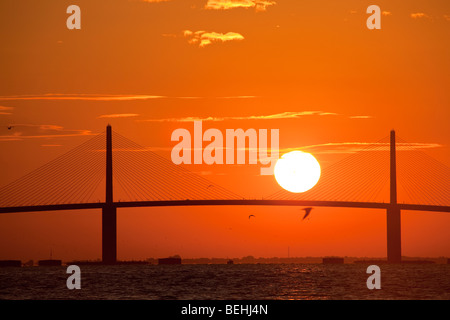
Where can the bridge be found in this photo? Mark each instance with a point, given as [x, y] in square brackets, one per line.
[72, 181]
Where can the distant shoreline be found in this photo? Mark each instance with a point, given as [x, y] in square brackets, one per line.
[252, 260]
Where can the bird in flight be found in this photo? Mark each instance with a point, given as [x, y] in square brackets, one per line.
[10, 127]
[307, 212]
[252, 215]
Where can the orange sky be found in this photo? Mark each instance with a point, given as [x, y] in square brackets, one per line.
[312, 67]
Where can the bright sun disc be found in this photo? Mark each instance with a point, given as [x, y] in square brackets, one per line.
[297, 171]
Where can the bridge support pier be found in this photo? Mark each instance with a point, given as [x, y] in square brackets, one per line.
[394, 244]
[109, 234]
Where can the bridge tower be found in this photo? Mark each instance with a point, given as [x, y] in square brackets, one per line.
[394, 248]
[109, 211]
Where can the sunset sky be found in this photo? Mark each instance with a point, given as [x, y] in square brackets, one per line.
[311, 69]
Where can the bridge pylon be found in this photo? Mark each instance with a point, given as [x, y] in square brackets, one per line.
[393, 221]
[109, 210]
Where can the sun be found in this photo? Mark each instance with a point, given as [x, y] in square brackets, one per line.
[297, 171]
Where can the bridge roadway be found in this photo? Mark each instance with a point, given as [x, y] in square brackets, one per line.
[234, 202]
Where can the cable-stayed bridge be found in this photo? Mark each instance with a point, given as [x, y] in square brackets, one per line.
[407, 177]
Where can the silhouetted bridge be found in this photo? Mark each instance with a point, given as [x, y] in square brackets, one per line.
[169, 185]
[238, 202]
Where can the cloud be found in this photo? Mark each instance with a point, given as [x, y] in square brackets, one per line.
[35, 131]
[203, 38]
[283, 115]
[447, 17]
[360, 117]
[386, 13]
[48, 127]
[118, 115]
[259, 5]
[154, 1]
[418, 15]
[325, 148]
[169, 35]
[84, 97]
[237, 97]
[204, 173]
[102, 97]
[353, 147]
[3, 110]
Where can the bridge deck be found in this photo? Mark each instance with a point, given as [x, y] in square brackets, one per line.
[239, 202]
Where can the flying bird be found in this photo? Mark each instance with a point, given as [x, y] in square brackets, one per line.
[10, 127]
[209, 186]
[307, 212]
[252, 215]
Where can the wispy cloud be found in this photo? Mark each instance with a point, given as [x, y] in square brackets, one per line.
[204, 173]
[238, 97]
[35, 131]
[203, 38]
[259, 5]
[4, 110]
[154, 1]
[102, 97]
[84, 97]
[206, 97]
[283, 115]
[169, 35]
[418, 15]
[384, 13]
[118, 115]
[360, 117]
[325, 148]
[353, 147]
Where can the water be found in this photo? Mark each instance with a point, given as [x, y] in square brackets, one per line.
[227, 282]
